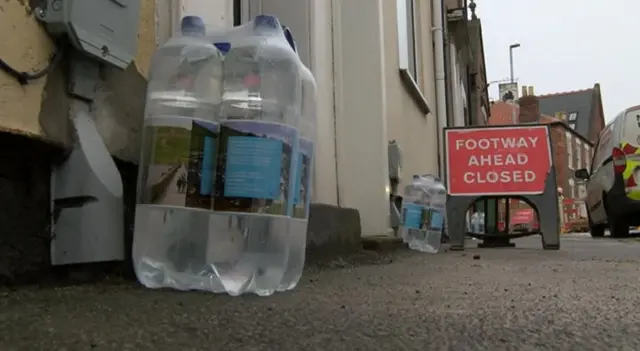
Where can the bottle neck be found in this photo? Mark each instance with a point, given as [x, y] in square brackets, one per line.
[192, 33]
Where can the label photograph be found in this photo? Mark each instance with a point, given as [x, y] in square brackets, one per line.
[253, 167]
[181, 165]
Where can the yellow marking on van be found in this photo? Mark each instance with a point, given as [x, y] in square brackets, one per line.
[633, 162]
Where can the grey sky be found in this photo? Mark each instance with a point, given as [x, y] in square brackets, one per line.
[566, 45]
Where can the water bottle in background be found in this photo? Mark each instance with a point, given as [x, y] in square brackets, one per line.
[258, 142]
[177, 164]
[423, 214]
[303, 181]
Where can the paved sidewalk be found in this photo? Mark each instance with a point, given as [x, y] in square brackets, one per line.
[583, 297]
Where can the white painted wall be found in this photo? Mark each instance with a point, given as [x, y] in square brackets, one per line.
[351, 47]
[361, 101]
[415, 132]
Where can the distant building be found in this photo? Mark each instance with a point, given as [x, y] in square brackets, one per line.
[581, 109]
[571, 149]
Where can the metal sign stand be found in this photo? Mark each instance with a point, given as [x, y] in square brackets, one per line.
[545, 204]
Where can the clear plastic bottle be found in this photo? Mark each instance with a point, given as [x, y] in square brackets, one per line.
[177, 168]
[423, 213]
[304, 179]
[185, 75]
[258, 141]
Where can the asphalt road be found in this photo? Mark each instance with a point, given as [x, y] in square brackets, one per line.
[583, 297]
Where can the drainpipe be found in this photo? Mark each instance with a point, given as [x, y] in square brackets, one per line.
[441, 83]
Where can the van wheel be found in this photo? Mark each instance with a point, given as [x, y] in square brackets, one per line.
[618, 227]
[596, 230]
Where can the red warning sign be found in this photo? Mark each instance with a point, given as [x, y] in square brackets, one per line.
[497, 160]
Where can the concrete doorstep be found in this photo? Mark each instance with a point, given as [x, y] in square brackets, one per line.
[382, 243]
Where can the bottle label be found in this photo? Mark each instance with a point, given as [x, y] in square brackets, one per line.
[304, 172]
[178, 162]
[436, 221]
[254, 164]
[413, 216]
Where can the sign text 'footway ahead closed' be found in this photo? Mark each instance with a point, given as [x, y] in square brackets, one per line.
[497, 160]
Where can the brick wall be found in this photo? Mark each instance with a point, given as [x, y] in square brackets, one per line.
[580, 156]
[501, 113]
[597, 121]
[528, 112]
[559, 151]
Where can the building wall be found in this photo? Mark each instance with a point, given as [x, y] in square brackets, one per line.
[570, 152]
[35, 130]
[566, 144]
[362, 100]
[42, 108]
[415, 131]
[479, 97]
[599, 118]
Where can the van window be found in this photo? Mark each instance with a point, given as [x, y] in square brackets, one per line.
[631, 129]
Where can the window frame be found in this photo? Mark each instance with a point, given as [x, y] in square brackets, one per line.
[572, 188]
[573, 116]
[569, 147]
[587, 156]
[582, 191]
[409, 57]
[579, 153]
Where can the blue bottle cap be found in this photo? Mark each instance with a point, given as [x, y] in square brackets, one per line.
[224, 47]
[192, 24]
[267, 21]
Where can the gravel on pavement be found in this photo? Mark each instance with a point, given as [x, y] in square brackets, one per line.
[583, 297]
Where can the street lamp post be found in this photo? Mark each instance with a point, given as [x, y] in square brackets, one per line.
[511, 47]
[514, 118]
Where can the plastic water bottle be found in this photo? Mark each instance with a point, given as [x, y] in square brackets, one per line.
[258, 142]
[177, 168]
[185, 78]
[437, 214]
[423, 213]
[304, 179]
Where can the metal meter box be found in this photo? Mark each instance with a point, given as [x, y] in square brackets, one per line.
[104, 29]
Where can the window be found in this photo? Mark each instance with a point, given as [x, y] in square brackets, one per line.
[578, 153]
[408, 51]
[572, 188]
[573, 116]
[587, 156]
[237, 12]
[407, 37]
[582, 191]
[572, 125]
[569, 147]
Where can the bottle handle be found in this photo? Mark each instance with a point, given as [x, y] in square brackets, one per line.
[289, 36]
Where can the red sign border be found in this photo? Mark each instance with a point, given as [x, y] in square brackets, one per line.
[508, 193]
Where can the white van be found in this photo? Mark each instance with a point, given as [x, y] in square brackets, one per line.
[613, 194]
